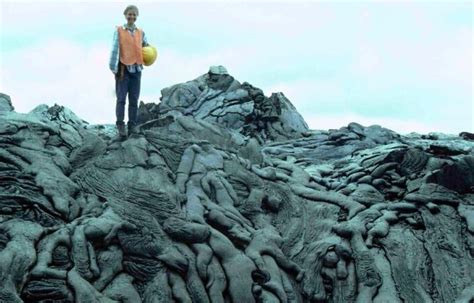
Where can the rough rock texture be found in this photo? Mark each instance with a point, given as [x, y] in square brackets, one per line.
[213, 202]
[223, 100]
[5, 103]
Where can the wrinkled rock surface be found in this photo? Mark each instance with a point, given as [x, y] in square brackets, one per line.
[225, 101]
[226, 196]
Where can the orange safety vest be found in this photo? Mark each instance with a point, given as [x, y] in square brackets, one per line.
[130, 46]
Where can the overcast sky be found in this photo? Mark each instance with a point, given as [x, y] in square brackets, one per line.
[404, 65]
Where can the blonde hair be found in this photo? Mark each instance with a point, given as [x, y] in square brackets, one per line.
[130, 7]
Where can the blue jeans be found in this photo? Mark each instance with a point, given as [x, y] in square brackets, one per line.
[129, 84]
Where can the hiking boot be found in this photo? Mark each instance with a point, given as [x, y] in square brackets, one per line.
[132, 130]
[121, 130]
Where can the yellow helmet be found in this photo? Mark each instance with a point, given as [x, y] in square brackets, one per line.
[149, 55]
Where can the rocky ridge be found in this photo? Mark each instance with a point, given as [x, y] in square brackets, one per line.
[227, 196]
